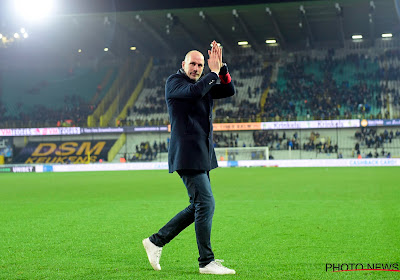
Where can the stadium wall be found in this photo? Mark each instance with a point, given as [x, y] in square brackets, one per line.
[379, 162]
[344, 137]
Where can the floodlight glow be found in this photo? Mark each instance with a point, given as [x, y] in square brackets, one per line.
[1, 36]
[270, 41]
[33, 10]
[133, 48]
[387, 35]
[22, 30]
[16, 35]
[356, 37]
[25, 35]
[79, 51]
[243, 43]
[106, 49]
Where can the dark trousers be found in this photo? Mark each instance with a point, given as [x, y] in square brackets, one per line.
[200, 211]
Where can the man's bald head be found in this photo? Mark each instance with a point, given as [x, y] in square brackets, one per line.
[194, 53]
[193, 65]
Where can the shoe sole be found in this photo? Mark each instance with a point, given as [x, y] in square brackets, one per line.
[218, 273]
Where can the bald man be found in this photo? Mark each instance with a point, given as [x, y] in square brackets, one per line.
[189, 97]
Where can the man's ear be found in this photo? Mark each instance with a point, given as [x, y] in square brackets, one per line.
[183, 64]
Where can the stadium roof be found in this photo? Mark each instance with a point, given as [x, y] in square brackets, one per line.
[172, 27]
[292, 24]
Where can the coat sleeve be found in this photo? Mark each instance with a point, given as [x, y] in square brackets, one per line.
[222, 91]
[178, 87]
[226, 88]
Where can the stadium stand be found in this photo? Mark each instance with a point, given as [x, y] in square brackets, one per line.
[45, 97]
[322, 84]
[389, 63]
[317, 87]
[248, 75]
[233, 139]
[304, 144]
[150, 107]
[332, 84]
[144, 147]
[329, 143]
[119, 93]
[319, 84]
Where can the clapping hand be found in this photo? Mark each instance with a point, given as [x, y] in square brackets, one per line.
[215, 57]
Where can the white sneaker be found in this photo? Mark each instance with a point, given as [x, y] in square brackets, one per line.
[215, 267]
[153, 253]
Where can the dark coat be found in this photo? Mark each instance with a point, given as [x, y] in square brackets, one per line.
[190, 107]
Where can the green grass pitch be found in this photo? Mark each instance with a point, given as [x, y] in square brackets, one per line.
[269, 223]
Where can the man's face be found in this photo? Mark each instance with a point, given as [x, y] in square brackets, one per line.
[193, 65]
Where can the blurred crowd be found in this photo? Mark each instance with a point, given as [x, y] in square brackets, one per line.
[222, 140]
[247, 65]
[371, 139]
[310, 89]
[154, 103]
[248, 109]
[74, 112]
[283, 141]
[147, 152]
[307, 88]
